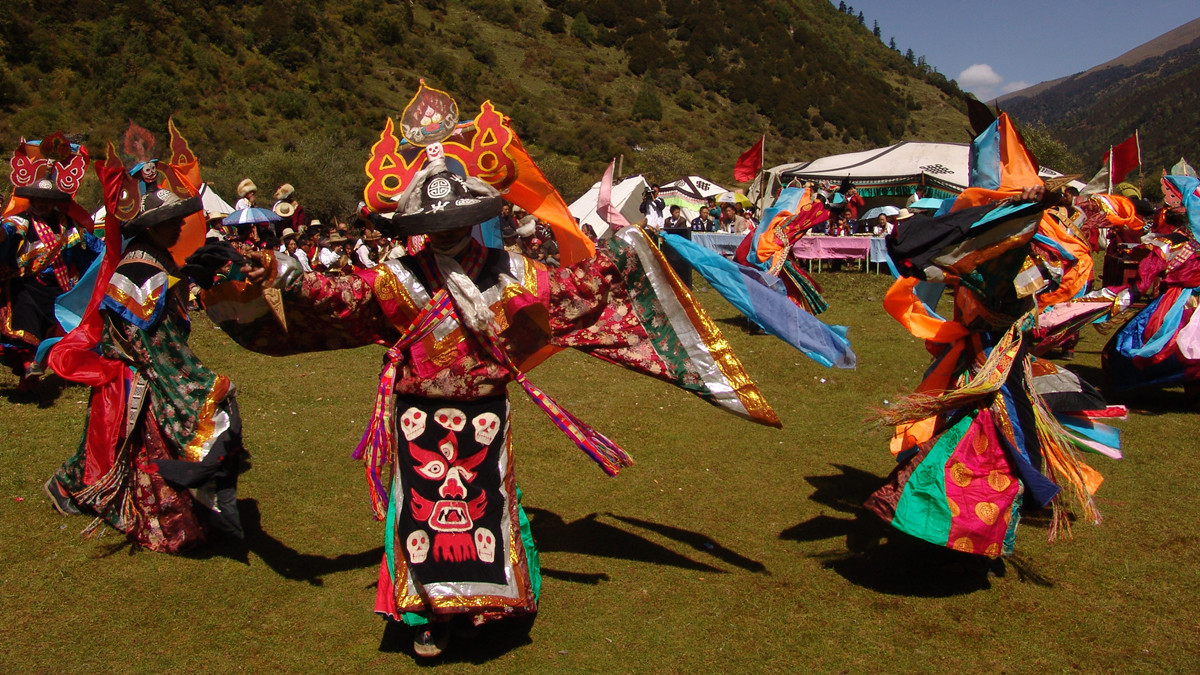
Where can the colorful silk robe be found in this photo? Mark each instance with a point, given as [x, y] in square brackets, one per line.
[177, 426]
[39, 260]
[1161, 344]
[980, 439]
[453, 541]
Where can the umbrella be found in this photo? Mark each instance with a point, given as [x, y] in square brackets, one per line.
[733, 198]
[251, 216]
[930, 203]
[875, 212]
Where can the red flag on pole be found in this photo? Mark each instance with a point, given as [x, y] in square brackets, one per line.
[750, 163]
[1124, 158]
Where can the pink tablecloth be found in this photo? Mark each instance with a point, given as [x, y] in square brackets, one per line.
[820, 247]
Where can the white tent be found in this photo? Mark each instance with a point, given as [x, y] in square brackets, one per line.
[213, 205]
[943, 168]
[894, 170]
[626, 196]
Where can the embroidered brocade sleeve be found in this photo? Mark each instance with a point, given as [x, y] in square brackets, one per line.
[321, 313]
[625, 306]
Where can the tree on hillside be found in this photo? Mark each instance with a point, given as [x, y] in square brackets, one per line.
[892, 44]
[582, 29]
[878, 33]
[862, 20]
[1050, 152]
[910, 57]
[646, 105]
[663, 162]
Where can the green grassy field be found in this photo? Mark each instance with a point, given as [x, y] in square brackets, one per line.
[727, 544]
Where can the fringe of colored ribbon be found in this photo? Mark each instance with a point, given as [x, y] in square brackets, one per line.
[987, 380]
[112, 485]
[1063, 466]
[596, 445]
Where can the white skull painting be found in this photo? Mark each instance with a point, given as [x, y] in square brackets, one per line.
[412, 423]
[418, 546]
[451, 418]
[486, 427]
[485, 544]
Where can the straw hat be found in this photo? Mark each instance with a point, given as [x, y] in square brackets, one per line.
[284, 191]
[287, 234]
[246, 187]
[1059, 182]
[284, 209]
[904, 214]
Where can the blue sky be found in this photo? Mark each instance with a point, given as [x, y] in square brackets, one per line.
[999, 46]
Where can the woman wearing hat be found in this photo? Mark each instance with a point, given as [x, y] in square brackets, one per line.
[463, 322]
[247, 193]
[291, 246]
[287, 208]
[169, 476]
[44, 250]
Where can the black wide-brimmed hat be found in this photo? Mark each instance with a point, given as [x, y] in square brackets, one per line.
[438, 200]
[161, 206]
[43, 189]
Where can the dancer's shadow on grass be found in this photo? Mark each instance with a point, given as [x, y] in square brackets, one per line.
[1153, 401]
[880, 557]
[592, 536]
[45, 392]
[1150, 400]
[284, 560]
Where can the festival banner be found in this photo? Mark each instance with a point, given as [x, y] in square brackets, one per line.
[750, 162]
[1124, 157]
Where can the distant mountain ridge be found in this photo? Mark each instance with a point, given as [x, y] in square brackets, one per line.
[1152, 89]
[1159, 46]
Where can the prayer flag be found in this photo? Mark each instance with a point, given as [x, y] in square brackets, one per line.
[749, 163]
[604, 206]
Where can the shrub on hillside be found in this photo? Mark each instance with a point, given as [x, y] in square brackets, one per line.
[646, 105]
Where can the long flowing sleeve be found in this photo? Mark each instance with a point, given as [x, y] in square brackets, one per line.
[626, 306]
[316, 313]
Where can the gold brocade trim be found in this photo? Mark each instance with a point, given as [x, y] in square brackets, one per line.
[443, 352]
[271, 265]
[204, 421]
[388, 287]
[6, 314]
[143, 309]
[531, 275]
[728, 362]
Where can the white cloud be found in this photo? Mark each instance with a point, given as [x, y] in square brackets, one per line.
[983, 81]
[979, 75]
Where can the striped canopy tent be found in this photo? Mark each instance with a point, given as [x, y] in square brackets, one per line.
[894, 171]
[689, 194]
